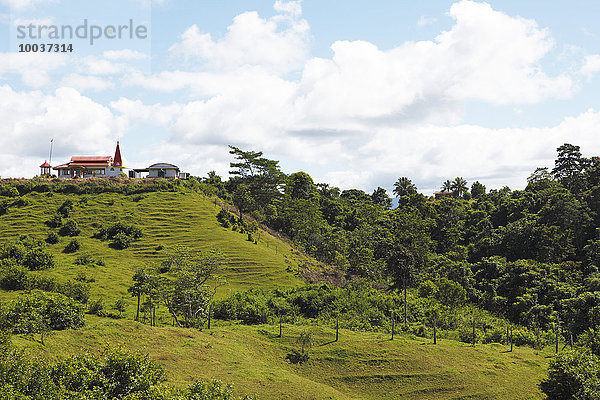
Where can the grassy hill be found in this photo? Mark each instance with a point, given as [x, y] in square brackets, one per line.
[167, 219]
[360, 366]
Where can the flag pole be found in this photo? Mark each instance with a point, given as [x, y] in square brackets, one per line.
[51, 143]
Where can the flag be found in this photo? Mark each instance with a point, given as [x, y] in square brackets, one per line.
[51, 140]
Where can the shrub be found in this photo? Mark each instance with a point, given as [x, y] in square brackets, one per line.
[69, 229]
[121, 241]
[573, 375]
[4, 207]
[85, 259]
[29, 252]
[65, 209]
[30, 313]
[73, 246]
[52, 238]
[96, 307]
[55, 221]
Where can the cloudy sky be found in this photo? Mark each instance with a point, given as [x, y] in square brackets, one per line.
[356, 95]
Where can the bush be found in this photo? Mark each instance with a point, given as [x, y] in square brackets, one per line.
[96, 307]
[121, 241]
[69, 229]
[55, 221]
[32, 313]
[72, 247]
[29, 252]
[65, 209]
[52, 238]
[85, 259]
[573, 375]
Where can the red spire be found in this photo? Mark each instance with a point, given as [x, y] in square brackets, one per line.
[117, 160]
[45, 165]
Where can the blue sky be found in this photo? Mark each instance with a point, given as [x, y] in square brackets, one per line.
[356, 95]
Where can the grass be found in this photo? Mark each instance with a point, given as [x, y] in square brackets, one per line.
[167, 219]
[359, 366]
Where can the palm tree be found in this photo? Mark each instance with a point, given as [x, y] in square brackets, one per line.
[447, 186]
[459, 186]
[404, 187]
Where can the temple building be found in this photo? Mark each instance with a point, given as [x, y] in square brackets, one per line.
[92, 166]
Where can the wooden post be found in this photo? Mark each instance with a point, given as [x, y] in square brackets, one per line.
[511, 339]
[556, 331]
[571, 341]
[393, 324]
[507, 335]
[209, 312]
[473, 328]
[153, 315]
[405, 309]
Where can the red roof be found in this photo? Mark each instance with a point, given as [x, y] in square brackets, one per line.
[117, 160]
[45, 165]
[88, 165]
[90, 159]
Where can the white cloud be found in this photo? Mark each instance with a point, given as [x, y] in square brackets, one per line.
[291, 8]
[125, 54]
[25, 4]
[591, 65]
[34, 68]
[278, 44]
[86, 82]
[364, 115]
[424, 21]
[77, 124]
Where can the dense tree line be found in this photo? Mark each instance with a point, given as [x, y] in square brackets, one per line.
[529, 255]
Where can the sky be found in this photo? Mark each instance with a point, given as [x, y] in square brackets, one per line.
[355, 93]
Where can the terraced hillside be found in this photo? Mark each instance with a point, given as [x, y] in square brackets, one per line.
[167, 219]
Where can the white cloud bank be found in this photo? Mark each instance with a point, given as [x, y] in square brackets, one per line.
[358, 119]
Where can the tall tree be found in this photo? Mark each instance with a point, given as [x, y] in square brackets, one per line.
[404, 187]
[568, 167]
[381, 198]
[459, 186]
[447, 186]
[257, 180]
[477, 190]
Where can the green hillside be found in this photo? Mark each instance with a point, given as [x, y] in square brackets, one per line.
[167, 219]
[361, 365]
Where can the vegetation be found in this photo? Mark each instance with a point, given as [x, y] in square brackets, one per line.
[478, 266]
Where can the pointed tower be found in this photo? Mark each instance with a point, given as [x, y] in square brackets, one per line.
[117, 161]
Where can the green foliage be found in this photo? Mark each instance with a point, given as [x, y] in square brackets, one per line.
[28, 252]
[65, 209]
[55, 221]
[573, 375]
[121, 234]
[39, 312]
[69, 228]
[52, 238]
[72, 246]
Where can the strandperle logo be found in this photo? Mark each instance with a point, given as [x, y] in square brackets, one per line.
[84, 31]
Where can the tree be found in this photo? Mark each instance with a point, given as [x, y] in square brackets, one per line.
[447, 186]
[459, 186]
[381, 198]
[568, 168]
[477, 190]
[260, 176]
[141, 286]
[404, 187]
[192, 285]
